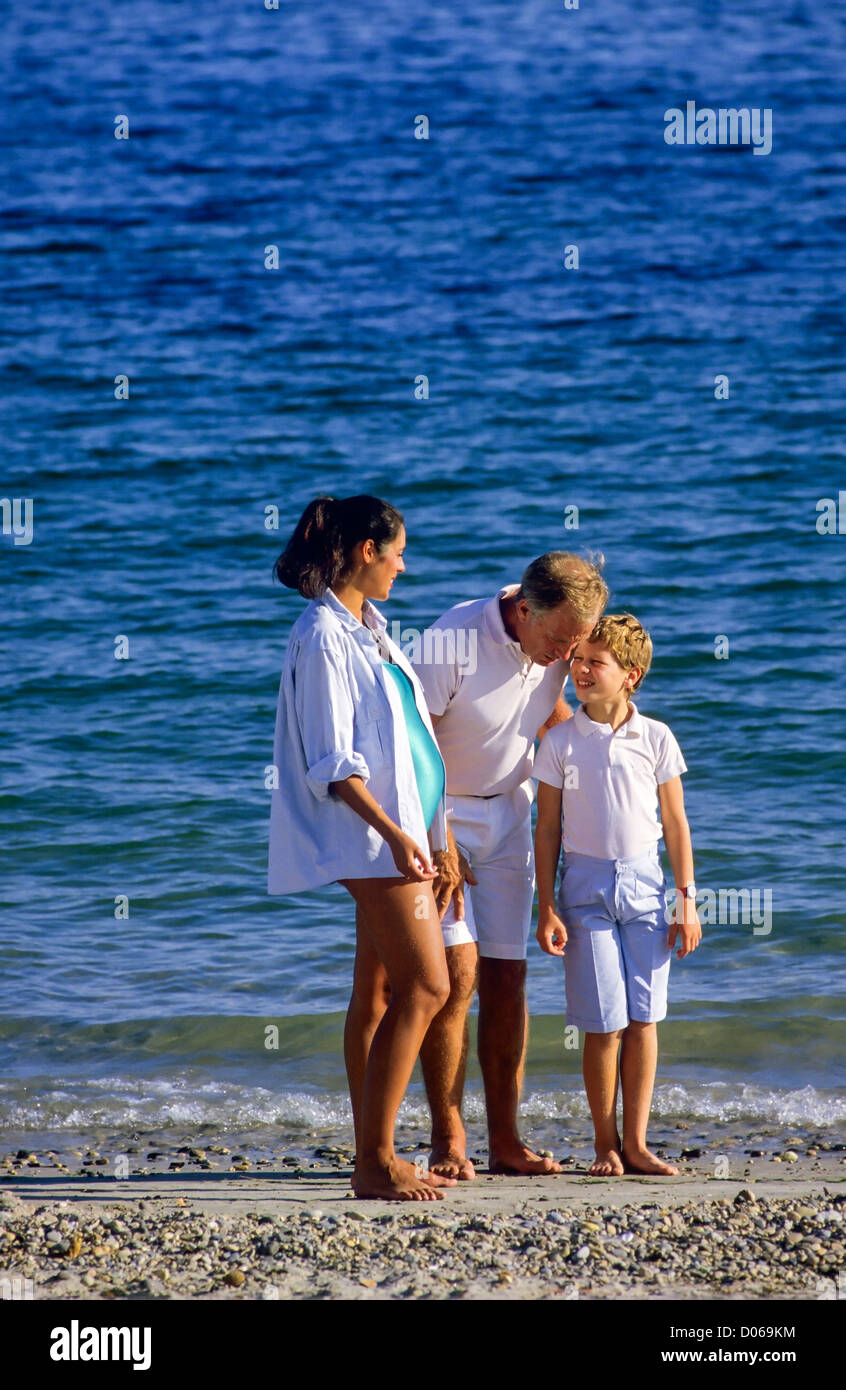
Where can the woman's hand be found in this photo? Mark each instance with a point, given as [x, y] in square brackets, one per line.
[551, 932]
[409, 858]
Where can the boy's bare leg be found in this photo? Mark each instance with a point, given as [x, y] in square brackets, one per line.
[599, 1069]
[638, 1061]
[443, 1058]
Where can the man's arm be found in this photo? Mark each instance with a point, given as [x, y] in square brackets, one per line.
[450, 865]
[561, 712]
[551, 933]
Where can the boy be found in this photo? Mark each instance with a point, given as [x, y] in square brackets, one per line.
[599, 776]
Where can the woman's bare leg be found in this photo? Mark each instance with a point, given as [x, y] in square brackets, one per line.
[400, 922]
[371, 994]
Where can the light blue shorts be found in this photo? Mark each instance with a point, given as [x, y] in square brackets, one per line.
[617, 960]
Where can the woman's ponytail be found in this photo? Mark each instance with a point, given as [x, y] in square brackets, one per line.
[314, 555]
[318, 552]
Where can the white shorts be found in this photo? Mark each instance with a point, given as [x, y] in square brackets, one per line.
[495, 836]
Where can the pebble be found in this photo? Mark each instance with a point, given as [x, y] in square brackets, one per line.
[740, 1246]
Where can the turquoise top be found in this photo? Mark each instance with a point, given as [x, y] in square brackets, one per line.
[428, 763]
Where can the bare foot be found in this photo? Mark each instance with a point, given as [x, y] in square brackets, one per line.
[425, 1175]
[607, 1164]
[644, 1161]
[449, 1160]
[435, 1179]
[517, 1160]
[396, 1181]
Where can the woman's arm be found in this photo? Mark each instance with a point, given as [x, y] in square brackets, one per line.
[410, 860]
[326, 716]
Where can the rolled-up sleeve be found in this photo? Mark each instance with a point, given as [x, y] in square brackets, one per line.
[326, 717]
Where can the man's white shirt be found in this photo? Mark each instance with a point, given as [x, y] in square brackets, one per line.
[490, 714]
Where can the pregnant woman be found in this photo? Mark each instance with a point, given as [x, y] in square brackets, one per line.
[360, 802]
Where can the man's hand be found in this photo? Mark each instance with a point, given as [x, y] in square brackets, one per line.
[452, 870]
[551, 932]
[686, 922]
[561, 712]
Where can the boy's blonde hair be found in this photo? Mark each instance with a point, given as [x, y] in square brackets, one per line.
[628, 642]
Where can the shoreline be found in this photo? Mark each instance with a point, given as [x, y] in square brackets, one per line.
[285, 1234]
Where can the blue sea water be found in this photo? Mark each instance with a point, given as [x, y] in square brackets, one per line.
[549, 388]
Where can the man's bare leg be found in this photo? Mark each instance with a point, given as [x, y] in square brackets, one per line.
[599, 1069]
[443, 1058]
[638, 1061]
[503, 1033]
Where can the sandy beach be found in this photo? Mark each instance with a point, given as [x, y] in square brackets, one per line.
[774, 1231]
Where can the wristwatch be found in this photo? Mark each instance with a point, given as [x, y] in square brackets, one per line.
[689, 890]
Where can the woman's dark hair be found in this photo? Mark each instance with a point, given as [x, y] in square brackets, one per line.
[325, 536]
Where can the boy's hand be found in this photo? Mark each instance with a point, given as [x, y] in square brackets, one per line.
[686, 923]
[551, 932]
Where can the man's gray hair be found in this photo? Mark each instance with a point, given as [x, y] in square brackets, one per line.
[559, 577]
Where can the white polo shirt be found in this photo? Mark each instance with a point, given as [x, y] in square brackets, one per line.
[491, 696]
[609, 782]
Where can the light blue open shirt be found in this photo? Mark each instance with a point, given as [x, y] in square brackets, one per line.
[338, 716]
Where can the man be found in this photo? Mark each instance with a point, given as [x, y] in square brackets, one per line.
[487, 713]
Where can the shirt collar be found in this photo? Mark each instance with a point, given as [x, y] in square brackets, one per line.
[493, 618]
[633, 727]
[371, 617]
